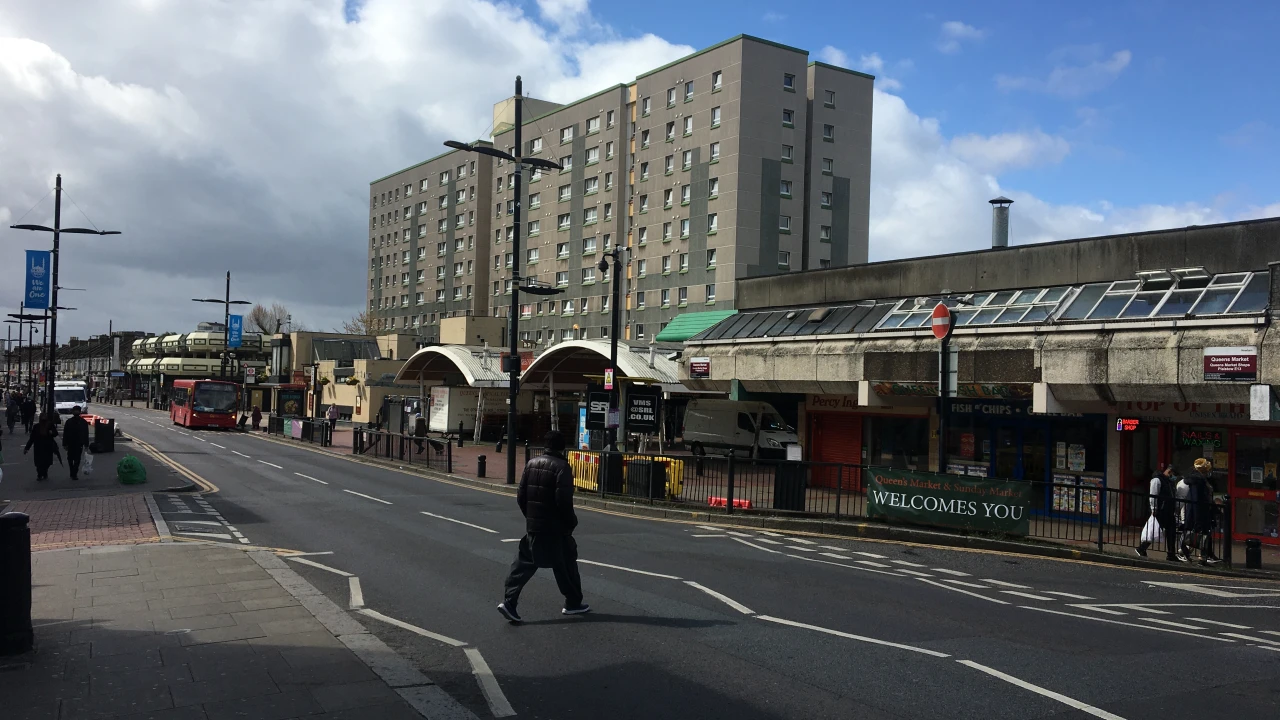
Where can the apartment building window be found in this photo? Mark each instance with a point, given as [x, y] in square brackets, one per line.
[440, 272]
[671, 97]
[666, 264]
[471, 217]
[589, 216]
[590, 186]
[784, 223]
[440, 295]
[506, 287]
[828, 166]
[495, 287]
[713, 222]
[404, 257]
[608, 241]
[420, 298]
[644, 171]
[526, 311]
[642, 236]
[424, 186]
[666, 298]
[441, 225]
[642, 268]
[535, 146]
[713, 187]
[668, 164]
[639, 299]
[511, 232]
[608, 150]
[566, 308]
[457, 293]
[593, 155]
[666, 231]
[457, 269]
[497, 261]
[462, 171]
[566, 162]
[563, 221]
[422, 253]
[688, 91]
[667, 195]
[497, 184]
[711, 293]
[644, 107]
[788, 117]
[686, 159]
[404, 278]
[460, 220]
[829, 98]
[684, 194]
[784, 259]
[826, 199]
[444, 178]
[593, 125]
[404, 300]
[829, 133]
[684, 228]
[562, 278]
[508, 258]
[715, 151]
[531, 255]
[644, 138]
[608, 211]
[461, 197]
[715, 117]
[565, 192]
[408, 190]
[785, 188]
[609, 118]
[562, 250]
[608, 181]
[717, 78]
[471, 264]
[443, 202]
[422, 208]
[671, 131]
[824, 233]
[588, 245]
[688, 125]
[788, 81]
[589, 275]
[604, 301]
[711, 258]
[639, 331]
[535, 201]
[566, 134]
[644, 203]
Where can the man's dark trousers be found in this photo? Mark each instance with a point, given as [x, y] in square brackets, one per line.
[558, 552]
[74, 453]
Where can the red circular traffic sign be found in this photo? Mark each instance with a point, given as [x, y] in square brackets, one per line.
[941, 321]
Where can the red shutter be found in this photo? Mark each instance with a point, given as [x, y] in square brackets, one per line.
[837, 438]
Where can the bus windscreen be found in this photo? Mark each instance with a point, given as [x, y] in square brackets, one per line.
[214, 398]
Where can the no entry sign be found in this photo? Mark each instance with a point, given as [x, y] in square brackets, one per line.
[941, 321]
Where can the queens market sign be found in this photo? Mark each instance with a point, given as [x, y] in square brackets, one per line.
[949, 501]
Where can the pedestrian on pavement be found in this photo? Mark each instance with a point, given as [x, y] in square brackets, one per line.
[545, 497]
[1162, 510]
[1187, 504]
[11, 411]
[28, 414]
[257, 417]
[44, 438]
[75, 438]
[1205, 516]
[332, 416]
[420, 430]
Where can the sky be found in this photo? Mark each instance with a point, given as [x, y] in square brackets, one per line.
[241, 135]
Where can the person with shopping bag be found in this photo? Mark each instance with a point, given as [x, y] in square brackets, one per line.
[1161, 526]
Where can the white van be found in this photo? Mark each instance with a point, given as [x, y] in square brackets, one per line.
[749, 428]
[68, 394]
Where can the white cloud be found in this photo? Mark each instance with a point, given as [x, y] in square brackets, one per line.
[875, 65]
[954, 33]
[1008, 151]
[773, 17]
[1250, 134]
[833, 56]
[566, 14]
[1072, 80]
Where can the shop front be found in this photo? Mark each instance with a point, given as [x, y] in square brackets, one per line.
[1245, 455]
[839, 430]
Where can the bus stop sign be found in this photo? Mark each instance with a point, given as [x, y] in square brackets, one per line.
[941, 321]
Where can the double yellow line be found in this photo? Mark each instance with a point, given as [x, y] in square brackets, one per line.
[205, 485]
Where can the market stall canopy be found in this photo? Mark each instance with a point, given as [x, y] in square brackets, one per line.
[454, 365]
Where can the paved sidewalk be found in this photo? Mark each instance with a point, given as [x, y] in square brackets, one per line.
[77, 522]
[194, 631]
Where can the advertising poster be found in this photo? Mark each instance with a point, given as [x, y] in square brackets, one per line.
[1064, 493]
[949, 501]
[1075, 457]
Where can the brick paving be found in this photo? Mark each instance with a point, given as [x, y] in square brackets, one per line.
[73, 522]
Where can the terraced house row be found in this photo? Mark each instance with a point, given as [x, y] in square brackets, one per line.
[742, 160]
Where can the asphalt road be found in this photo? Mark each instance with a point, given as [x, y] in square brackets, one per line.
[703, 621]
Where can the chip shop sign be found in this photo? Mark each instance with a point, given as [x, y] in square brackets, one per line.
[1231, 363]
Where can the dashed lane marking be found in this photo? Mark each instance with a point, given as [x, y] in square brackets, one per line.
[801, 541]
[722, 598]
[1129, 624]
[1001, 583]
[223, 447]
[711, 527]
[758, 547]
[1170, 623]
[1233, 626]
[1095, 608]
[770, 534]
[511, 539]
[445, 639]
[801, 549]
[962, 583]
[1027, 595]
[237, 452]
[908, 563]
[966, 592]
[767, 540]
[264, 462]
[851, 636]
[1141, 608]
[314, 564]
[871, 563]
[945, 571]
[915, 573]
[630, 570]
[737, 534]
[837, 556]
[1073, 596]
[868, 554]
[1251, 638]
[710, 535]
[460, 522]
[367, 497]
[1071, 702]
[311, 478]
[843, 565]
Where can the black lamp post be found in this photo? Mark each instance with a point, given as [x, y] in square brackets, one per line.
[513, 315]
[29, 319]
[616, 319]
[226, 303]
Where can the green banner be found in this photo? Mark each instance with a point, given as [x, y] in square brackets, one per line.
[949, 500]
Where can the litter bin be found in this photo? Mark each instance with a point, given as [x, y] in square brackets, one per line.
[789, 486]
[104, 435]
[16, 634]
[646, 479]
[611, 472]
[1253, 554]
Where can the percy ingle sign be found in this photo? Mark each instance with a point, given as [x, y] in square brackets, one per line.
[949, 501]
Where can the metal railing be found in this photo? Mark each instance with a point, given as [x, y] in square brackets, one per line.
[433, 453]
[312, 430]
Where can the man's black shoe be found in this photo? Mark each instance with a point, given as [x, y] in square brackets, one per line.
[510, 614]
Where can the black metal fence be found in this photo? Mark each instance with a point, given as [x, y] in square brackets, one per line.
[312, 430]
[434, 453]
[1085, 516]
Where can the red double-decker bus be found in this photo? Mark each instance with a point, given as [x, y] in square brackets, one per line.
[204, 403]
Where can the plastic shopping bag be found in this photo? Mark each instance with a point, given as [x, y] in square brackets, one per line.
[86, 463]
[1152, 532]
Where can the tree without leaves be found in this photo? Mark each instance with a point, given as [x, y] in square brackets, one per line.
[362, 324]
[267, 320]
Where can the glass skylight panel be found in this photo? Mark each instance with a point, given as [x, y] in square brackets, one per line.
[1011, 315]
[1110, 306]
[1025, 297]
[1054, 294]
[1215, 300]
[1084, 301]
[1001, 298]
[1255, 295]
[985, 316]
[873, 316]
[766, 324]
[748, 328]
[1143, 304]
[1230, 279]
[963, 316]
[1178, 303]
[1037, 313]
[893, 321]
[838, 317]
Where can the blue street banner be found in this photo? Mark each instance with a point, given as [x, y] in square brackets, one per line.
[235, 332]
[39, 266]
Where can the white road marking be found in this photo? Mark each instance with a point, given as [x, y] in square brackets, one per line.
[843, 565]
[965, 584]
[633, 570]
[737, 534]
[837, 556]
[498, 704]
[511, 539]
[179, 523]
[217, 445]
[1250, 638]
[801, 549]
[264, 462]
[1095, 608]
[915, 573]
[1269, 632]
[1006, 584]
[184, 433]
[1223, 624]
[357, 595]
[770, 534]
[441, 517]
[1122, 622]
[1140, 608]
[767, 540]
[710, 527]
[867, 554]
[707, 535]
[237, 452]
[315, 564]
[1029, 596]
[310, 478]
[1073, 596]
[906, 562]
[966, 592]
[860, 638]
[1171, 623]
[945, 571]
[367, 497]
[200, 533]
[412, 628]
[758, 547]
[871, 563]
[722, 598]
[306, 554]
[1070, 702]
[201, 439]
[801, 541]
[1219, 590]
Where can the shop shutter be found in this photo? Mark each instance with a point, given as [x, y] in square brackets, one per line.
[837, 438]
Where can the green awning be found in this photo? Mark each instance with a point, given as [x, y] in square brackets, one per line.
[686, 325]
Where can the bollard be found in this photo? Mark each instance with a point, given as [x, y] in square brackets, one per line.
[459, 433]
[526, 452]
[448, 457]
[481, 462]
[16, 634]
[1253, 554]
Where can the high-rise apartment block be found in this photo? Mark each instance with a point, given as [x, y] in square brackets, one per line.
[741, 160]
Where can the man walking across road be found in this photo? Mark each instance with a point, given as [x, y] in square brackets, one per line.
[75, 438]
[545, 497]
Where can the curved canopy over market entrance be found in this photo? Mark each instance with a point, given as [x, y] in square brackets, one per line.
[454, 365]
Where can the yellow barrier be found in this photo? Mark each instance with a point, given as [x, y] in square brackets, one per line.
[586, 471]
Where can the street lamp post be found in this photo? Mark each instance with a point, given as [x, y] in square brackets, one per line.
[28, 319]
[513, 314]
[226, 302]
[615, 320]
[52, 336]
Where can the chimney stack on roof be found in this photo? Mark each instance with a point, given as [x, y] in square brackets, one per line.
[1000, 221]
